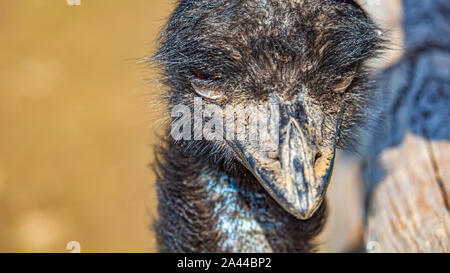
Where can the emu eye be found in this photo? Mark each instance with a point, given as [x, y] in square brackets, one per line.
[207, 86]
[342, 85]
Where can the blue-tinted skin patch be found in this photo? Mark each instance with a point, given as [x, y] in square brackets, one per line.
[236, 220]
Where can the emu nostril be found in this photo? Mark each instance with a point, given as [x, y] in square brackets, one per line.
[317, 157]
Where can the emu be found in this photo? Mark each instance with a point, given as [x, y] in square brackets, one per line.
[307, 56]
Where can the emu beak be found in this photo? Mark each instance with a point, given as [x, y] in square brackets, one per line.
[299, 176]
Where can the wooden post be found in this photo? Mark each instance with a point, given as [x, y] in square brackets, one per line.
[407, 165]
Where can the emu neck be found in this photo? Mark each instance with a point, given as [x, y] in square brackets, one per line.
[203, 208]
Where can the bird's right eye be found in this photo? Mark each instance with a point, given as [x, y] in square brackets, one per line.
[342, 85]
[207, 86]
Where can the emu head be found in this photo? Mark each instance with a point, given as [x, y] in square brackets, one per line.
[302, 60]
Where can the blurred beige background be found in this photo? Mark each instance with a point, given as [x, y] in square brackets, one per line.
[76, 131]
[78, 124]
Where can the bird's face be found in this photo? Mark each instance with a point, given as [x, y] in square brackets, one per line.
[296, 64]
